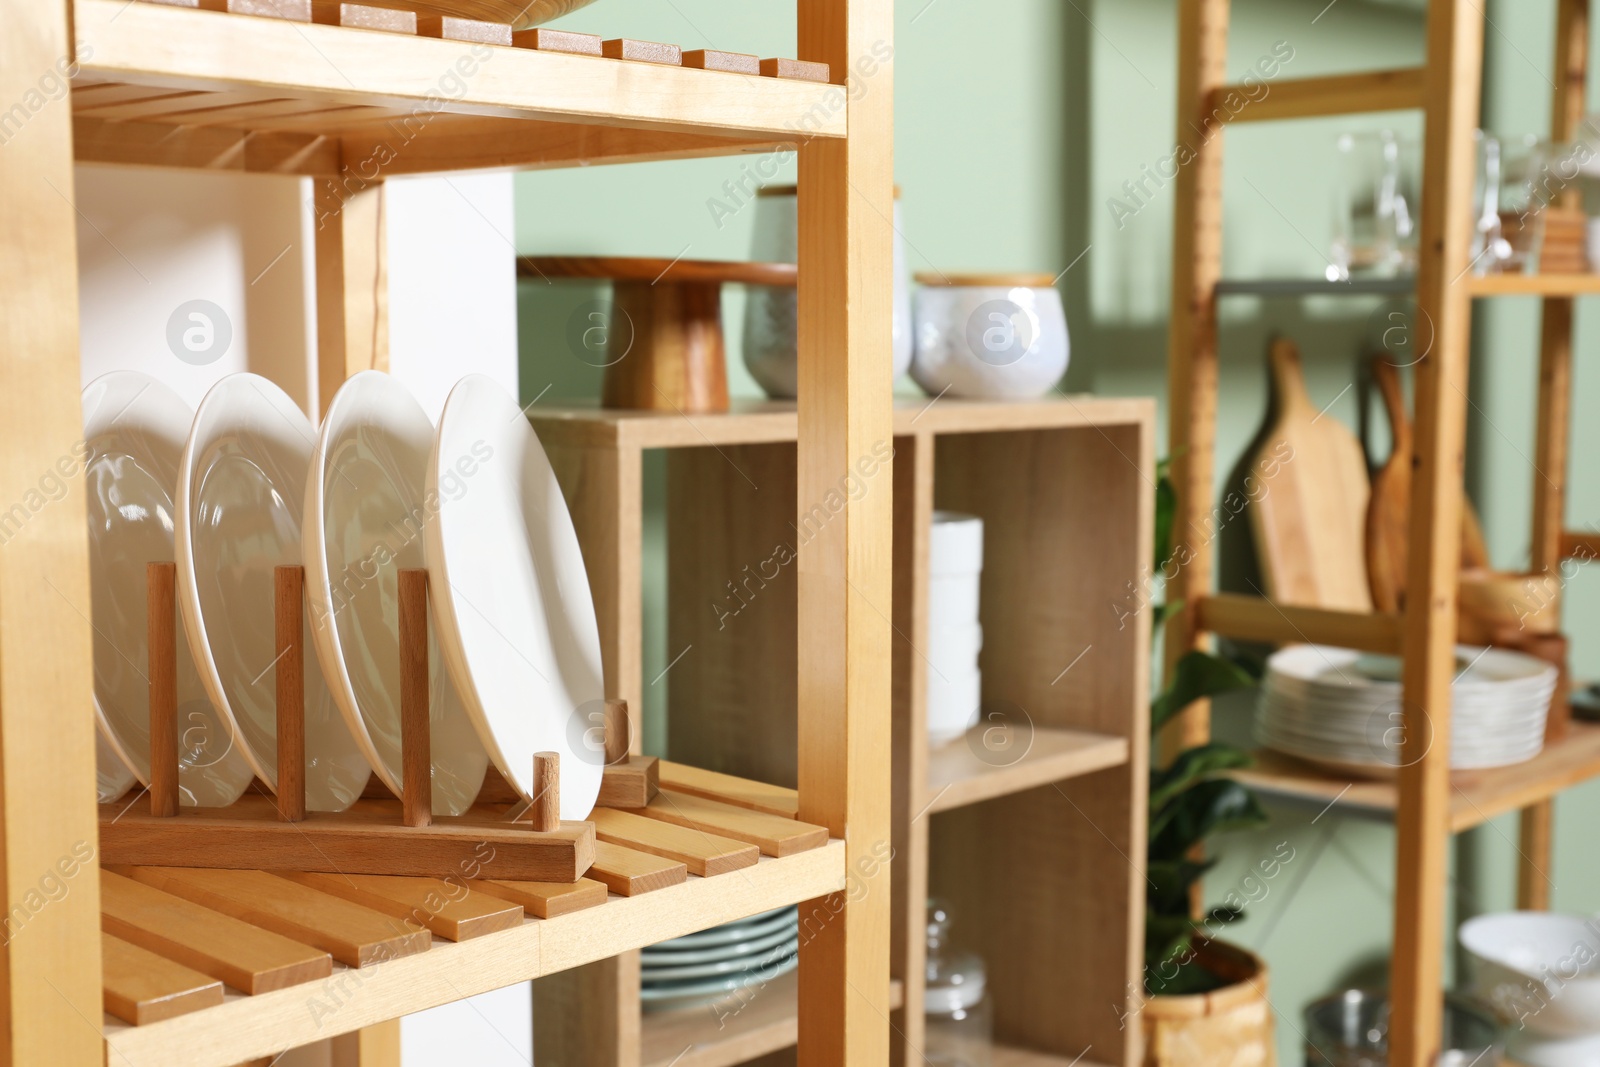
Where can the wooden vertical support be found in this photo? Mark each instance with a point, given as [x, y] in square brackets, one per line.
[908, 940]
[1554, 426]
[373, 1046]
[618, 731]
[604, 492]
[590, 1015]
[546, 809]
[846, 195]
[289, 640]
[416, 746]
[161, 637]
[49, 956]
[352, 281]
[1192, 337]
[1452, 82]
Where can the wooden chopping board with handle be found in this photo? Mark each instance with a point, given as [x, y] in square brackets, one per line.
[1390, 509]
[1309, 511]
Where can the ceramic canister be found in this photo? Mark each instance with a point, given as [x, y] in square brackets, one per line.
[989, 336]
[771, 317]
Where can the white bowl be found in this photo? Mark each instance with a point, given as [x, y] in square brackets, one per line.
[1001, 341]
[953, 703]
[955, 544]
[953, 598]
[1541, 972]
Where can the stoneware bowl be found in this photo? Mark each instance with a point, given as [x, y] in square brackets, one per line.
[989, 336]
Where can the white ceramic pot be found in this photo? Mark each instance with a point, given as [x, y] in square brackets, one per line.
[771, 315]
[953, 598]
[989, 336]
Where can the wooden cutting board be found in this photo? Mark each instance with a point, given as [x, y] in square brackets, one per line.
[1309, 510]
[1390, 508]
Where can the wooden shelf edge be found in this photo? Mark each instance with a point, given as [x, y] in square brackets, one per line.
[1533, 284]
[1334, 94]
[1011, 1056]
[1250, 618]
[1475, 796]
[767, 421]
[736, 1032]
[245, 1028]
[184, 48]
[958, 776]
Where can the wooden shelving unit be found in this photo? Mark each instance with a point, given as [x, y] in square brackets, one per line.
[1428, 802]
[1051, 814]
[171, 84]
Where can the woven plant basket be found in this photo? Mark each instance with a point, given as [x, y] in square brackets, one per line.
[1228, 1027]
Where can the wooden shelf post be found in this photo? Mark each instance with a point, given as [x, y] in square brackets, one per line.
[50, 963]
[846, 196]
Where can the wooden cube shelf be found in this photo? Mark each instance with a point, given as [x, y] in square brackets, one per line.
[1065, 487]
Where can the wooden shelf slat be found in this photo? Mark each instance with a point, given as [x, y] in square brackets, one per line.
[244, 1028]
[629, 873]
[740, 792]
[447, 908]
[704, 853]
[1475, 796]
[774, 835]
[546, 900]
[1333, 94]
[246, 957]
[1250, 618]
[182, 48]
[142, 987]
[1533, 284]
[958, 776]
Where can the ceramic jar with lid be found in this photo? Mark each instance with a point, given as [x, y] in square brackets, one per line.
[989, 336]
[772, 315]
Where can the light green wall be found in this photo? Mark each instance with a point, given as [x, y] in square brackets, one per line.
[1016, 122]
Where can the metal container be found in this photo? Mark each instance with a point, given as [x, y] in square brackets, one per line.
[1351, 1029]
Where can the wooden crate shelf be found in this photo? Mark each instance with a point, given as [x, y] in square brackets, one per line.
[1475, 796]
[247, 1027]
[699, 1037]
[178, 86]
[958, 776]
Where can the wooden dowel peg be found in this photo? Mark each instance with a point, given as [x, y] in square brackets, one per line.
[289, 645]
[619, 732]
[546, 808]
[416, 746]
[162, 640]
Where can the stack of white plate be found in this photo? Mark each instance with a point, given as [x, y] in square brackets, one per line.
[725, 962]
[955, 637]
[1341, 708]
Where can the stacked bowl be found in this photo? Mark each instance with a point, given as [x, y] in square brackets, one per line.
[727, 962]
[1342, 709]
[955, 637]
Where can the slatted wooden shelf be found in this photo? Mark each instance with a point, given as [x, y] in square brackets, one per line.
[306, 955]
[246, 1027]
[1475, 796]
[700, 1037]
[1405, 284]
[178, 86]
[959, 775]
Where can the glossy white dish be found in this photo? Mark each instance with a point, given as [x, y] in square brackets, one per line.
[1539, 970]
[242, 488]
[134, 430]
[366, 509]
[779, 948]
[670, 996]
[656, 956]
[738, 930]
[511, 594]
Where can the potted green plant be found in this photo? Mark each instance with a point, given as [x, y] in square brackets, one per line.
[1205, 999]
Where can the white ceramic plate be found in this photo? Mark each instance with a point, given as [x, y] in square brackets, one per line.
[366, 507]
[673, 995]
[242, 488]
[511, 595]
[780, 948]
[738, 930]
[134, 429]
[667, 957]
